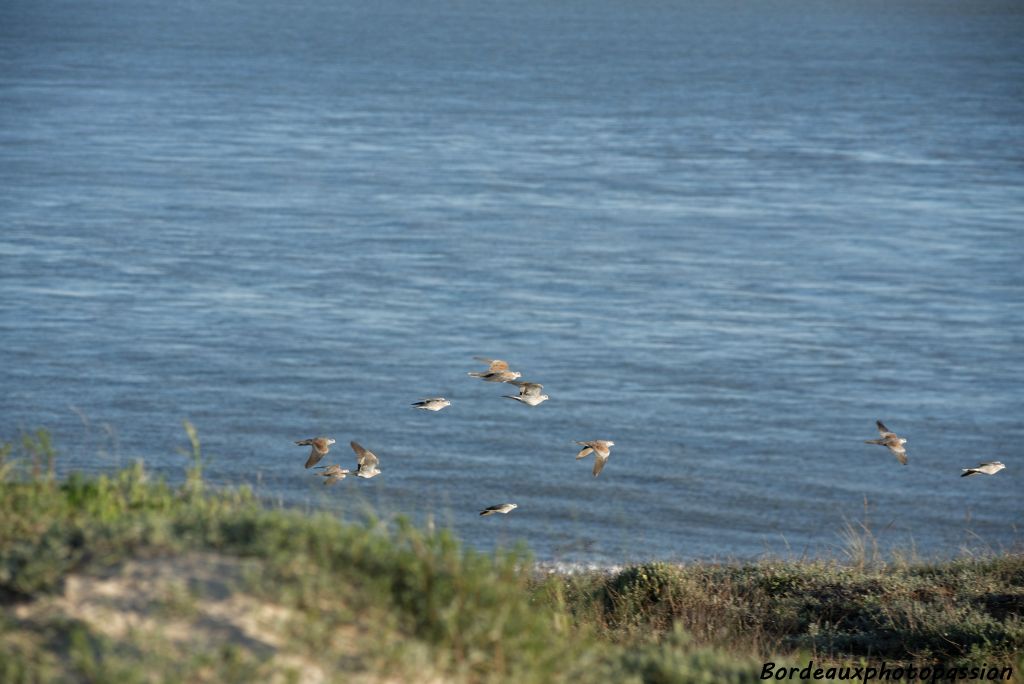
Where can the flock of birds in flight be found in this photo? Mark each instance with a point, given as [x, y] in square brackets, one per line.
[531, 394]
[895, 444]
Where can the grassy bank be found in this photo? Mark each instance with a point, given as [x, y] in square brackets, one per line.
[120, 578]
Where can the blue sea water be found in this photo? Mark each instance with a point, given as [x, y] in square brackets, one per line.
[727, 235]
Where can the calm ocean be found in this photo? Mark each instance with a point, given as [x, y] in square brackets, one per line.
[728, 236]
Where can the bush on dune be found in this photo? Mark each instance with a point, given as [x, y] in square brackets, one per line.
[383, 600]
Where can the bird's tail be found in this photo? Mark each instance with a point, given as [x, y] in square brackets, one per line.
[875, 441]
[486, 512]
[968, 471]
[475, 374]
[304, 442]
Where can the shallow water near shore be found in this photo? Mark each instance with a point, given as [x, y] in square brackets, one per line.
[727, 236]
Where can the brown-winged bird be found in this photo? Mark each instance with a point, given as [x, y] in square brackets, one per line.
[891, 440]
[320, 447]
[530, 393]
[333, 473]
[601, 449]
[497, 371]
[366, 461]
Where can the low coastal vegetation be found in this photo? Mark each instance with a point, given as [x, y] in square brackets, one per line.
[122, 578]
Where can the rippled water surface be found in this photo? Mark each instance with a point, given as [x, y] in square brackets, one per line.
[728, 236]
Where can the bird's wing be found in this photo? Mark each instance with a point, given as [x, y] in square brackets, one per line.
[304, 442]
[492, 364]
[427, 403]
[314, 457]
[529, 389]
[900, 453]
[599, 462]
[884, 431]
[584, 452]
[364, 457]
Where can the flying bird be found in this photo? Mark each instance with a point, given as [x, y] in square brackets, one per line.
[892, 441]
[601, 449]
[497, 371]
[989, 468]
[504, 508]
[366, 461]
[529, 393]
[334, 474]
[432, 404]
[320, 447]
[497, 376]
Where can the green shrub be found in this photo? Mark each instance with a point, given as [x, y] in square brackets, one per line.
[426, 607]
